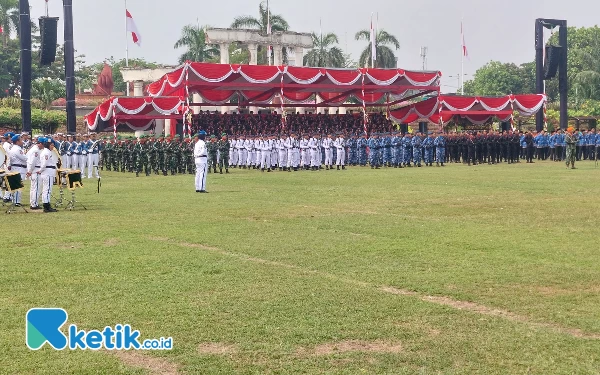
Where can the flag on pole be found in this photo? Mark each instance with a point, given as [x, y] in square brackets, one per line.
[373, 46]
[465, 52]
[132, 28]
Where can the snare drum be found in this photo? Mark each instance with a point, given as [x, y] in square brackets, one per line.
[13, 182]
[73, 179]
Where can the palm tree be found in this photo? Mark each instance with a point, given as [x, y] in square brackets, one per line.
[9, 18]
[278, 24]
[194, 39]
[385, 55]
[323, 54]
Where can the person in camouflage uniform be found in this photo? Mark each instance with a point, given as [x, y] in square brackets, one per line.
[168, 150]
[117, 154]
[212, 149]
[132, 156]
[223, 146]
[174, 154]
[141, 157]
[107, 158]
[152, 153]
[159, 147]
[190, 165]
[125, 155]
[571, 141]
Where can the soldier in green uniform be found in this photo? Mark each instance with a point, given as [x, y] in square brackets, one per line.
[117, 154]
[212, 148]
[132, 155]
[223, 146]
[171, 155]
[107, 157]
[188, 153]
[137, 151]
[159, 147]
[571, 139]
[151, 152]
[124, 154]
[167, 150]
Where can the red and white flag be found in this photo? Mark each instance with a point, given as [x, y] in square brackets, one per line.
[132, 28]
[465, 52]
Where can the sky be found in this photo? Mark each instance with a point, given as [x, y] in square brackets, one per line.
[494, 30]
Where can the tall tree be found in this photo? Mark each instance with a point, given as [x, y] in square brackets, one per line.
[496, 78]
[323, 53]
[9, 19]
[383, 43]
[194, 39]
[278, 24]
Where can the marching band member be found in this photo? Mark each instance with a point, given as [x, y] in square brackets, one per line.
[33, 167]
[6, 145]
[327, 145]
[47, 173]
[93, 147]
[18, 163]
[83, 159]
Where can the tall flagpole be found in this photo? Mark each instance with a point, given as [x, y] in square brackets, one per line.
[462, 59]
[372, 43]
[268, 33]
[126, 45]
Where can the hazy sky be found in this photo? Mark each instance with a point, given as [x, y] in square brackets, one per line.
[494, 30]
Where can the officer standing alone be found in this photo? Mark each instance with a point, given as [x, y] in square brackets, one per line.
[200, 158]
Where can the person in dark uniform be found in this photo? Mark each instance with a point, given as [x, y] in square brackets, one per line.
[530, 149]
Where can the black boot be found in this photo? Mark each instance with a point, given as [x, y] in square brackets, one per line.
[220, 170]
[48, 208]
[137, 174]
[343, 167]
[338, 167]
[226, 171]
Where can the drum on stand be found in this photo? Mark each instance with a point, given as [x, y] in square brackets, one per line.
[73, 178]
[13, 182]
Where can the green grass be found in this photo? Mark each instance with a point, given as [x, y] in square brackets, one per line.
[274, 265]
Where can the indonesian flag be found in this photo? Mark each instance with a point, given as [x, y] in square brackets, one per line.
[465, 52]
[1, 30]
[132, 28]
[373, 46]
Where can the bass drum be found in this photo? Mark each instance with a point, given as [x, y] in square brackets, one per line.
[3, 157]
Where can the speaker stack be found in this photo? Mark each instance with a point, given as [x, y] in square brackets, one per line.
[49, 33]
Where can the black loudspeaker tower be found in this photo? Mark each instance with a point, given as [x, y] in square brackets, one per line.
[49, 35]
[505, 125]
[403, 128]
[553, 54]
[423, 127]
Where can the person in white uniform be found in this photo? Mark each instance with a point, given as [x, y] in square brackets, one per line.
[47, 172]
[18, 163]
[328, 146]
[340, 145]
[33, 166]
[201, 160]
[6, 145]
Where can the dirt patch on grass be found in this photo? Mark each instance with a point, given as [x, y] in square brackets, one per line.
[154, 365]
[217, 348]
[111, 242]
[351, 346]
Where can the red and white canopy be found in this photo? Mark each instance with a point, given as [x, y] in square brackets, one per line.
[476, 109]
[137, 113]
[217, 84]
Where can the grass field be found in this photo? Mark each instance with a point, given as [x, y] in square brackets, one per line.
[456, 270]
